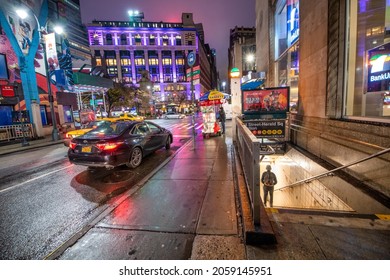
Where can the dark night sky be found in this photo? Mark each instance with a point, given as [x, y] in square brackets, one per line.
[217, 17]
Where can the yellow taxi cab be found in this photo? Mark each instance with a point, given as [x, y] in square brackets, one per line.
[131, 117]
[93, 124]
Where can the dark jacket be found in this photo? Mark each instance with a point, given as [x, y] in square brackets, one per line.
[269, 179]
[222, 115]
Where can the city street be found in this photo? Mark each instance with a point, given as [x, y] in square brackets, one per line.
[44, 199]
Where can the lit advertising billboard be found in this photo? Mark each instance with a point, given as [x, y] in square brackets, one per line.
[292, 21]
[378, 78]
[266, 101]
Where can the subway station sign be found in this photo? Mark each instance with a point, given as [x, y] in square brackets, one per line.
[267, 128]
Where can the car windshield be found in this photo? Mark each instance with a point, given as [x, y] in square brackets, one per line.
[112, 129]
[95, 124]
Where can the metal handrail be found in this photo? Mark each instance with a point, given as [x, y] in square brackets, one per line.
[330, 172]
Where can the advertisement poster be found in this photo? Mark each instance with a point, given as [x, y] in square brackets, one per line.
[51, 52]
[292, 21]
[266, 101]
[379, 69]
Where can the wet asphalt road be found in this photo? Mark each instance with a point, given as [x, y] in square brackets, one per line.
[44, 199]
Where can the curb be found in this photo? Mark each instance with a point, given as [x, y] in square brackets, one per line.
[30, 147]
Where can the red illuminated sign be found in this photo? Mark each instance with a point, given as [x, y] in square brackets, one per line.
[7, 91]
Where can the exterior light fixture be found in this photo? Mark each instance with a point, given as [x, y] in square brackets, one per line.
[235, 73]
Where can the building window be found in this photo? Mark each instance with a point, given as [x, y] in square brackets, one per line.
[123, 39]
[165, 40]
[98, 61]
[167, 72]
[126, 71]
[139, 61]
[152, 40]
[125, 61]
[287, 48]
[108, 39]
[153, 61]
[112, 71]
[110, 61]
[180, 61]
[280, 28]
[138, 40]
[95, 40]
[368, 60]
[178, 40]
[167, 61]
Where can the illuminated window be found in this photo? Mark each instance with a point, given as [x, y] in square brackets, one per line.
[112, 71]
[138, 41]
[153, 61]
[165, 40]
[139, 61]
[167, 61]
[368, 66]
[95, 39]
[110, 61]
[180, 61]
[98, 61]
[125, 61]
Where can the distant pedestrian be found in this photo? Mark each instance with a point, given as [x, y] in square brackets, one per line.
[222, 118]
[269, 180]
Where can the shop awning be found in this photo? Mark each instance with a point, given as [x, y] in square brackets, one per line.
[84, 82]
[252, 84]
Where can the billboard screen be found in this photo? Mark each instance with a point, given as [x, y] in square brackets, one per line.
[378, 78]
[266, 101]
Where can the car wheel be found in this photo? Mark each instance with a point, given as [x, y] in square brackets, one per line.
[135, 158]
[168, 143]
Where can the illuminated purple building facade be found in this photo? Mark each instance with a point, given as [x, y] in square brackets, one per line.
[126, 49]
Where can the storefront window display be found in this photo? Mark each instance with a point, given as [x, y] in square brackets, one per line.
[368, 60]
[287, 47]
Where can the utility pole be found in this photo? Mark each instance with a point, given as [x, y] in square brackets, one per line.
[191, 58]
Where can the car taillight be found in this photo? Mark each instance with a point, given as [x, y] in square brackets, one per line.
[72, 145]
[108, 146]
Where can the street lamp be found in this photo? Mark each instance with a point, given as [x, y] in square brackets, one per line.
[250, 59]
[223, 86]
[23, 14]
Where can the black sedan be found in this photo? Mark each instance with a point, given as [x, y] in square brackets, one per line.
[126, 142]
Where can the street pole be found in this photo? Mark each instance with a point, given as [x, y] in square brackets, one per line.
[191, 59]
[54, 134]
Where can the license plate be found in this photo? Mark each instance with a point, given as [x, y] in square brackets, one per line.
[86, 149]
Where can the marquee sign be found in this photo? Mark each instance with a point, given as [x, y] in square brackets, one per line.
[7, 91]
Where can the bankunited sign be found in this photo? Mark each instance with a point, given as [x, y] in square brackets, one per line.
[379, 77]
